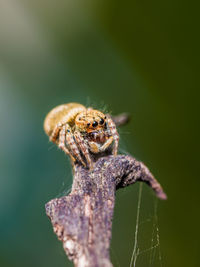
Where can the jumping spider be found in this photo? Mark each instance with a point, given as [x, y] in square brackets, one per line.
[78, 130]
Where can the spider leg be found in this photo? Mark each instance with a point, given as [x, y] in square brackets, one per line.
[114, 133]
[96, 148]
[107, 144]
[53, 137]
[83, 147]
[61, 143]
[73, 146]
[68, 117]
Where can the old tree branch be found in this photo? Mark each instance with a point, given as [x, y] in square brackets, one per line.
[83, 219]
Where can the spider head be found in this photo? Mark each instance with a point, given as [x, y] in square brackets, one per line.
[90, 121]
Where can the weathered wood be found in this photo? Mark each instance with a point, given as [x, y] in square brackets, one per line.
[83, 219]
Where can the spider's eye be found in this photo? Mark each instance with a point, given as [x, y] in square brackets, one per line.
[95, 123]
[101, 121]
[88, 124]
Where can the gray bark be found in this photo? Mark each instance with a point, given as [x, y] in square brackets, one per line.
[83, 219]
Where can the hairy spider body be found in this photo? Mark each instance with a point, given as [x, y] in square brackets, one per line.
[78, 130]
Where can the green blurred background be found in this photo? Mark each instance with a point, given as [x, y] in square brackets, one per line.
[141, 57]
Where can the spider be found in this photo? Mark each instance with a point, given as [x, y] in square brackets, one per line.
[78, 130]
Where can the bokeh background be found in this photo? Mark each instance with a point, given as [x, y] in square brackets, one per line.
[141, 57]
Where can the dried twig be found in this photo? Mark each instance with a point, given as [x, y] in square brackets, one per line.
[121, 119]
[83, 219]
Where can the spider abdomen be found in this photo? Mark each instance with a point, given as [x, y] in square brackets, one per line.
[62, 113]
